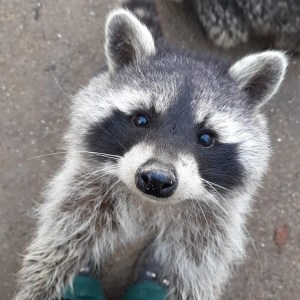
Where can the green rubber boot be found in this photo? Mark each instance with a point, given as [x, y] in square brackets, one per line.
[146, 290]
[85, 287]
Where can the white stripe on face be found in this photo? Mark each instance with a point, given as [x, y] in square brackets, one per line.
[190, 185]
[131, 161]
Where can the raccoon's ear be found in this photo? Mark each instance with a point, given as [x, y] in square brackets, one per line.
[126, 40]
[260, 75]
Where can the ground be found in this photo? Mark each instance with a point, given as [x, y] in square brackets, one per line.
[51, 48]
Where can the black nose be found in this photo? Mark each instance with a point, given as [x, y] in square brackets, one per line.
[156, 179]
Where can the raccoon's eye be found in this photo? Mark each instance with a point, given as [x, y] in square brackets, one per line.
[140, 120]
[206, 139]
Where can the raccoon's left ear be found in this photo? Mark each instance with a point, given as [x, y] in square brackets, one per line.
[126, 40]
[260, 75]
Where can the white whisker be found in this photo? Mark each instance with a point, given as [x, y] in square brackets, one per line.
[253, 244]
[60, 87]
[87, 152]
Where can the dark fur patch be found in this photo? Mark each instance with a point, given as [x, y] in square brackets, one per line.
[258, 87]
[120, 45]
[115, 135]
[219, 166]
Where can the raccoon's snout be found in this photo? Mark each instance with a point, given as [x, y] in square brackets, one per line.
[156, 179]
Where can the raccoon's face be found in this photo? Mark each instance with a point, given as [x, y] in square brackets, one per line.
[171, 126]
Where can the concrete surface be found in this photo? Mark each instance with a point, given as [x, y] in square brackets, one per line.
[50, 46]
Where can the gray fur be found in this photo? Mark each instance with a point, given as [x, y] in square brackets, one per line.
[92, 204]
[231, 22]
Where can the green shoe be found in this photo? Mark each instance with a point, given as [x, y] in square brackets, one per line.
[85, 287]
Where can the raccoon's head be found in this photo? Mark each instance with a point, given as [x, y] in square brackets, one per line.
[170, 126]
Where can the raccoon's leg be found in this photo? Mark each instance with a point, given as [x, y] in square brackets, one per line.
[223, 22]
[195, 267]
[70, 235]
[52, 259]
[45, 272]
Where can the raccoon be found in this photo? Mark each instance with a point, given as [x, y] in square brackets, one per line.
[165, 142]
[231, 22]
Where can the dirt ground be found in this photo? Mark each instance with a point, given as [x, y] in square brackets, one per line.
[48, 50]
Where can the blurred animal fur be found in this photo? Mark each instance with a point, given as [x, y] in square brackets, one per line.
[162, 112]
[231, 22]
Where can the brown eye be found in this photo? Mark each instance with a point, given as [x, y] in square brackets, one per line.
[140, 120]
[206, 139]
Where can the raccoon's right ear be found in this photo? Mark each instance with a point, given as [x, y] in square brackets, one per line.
[126, 40]
[260, 75]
